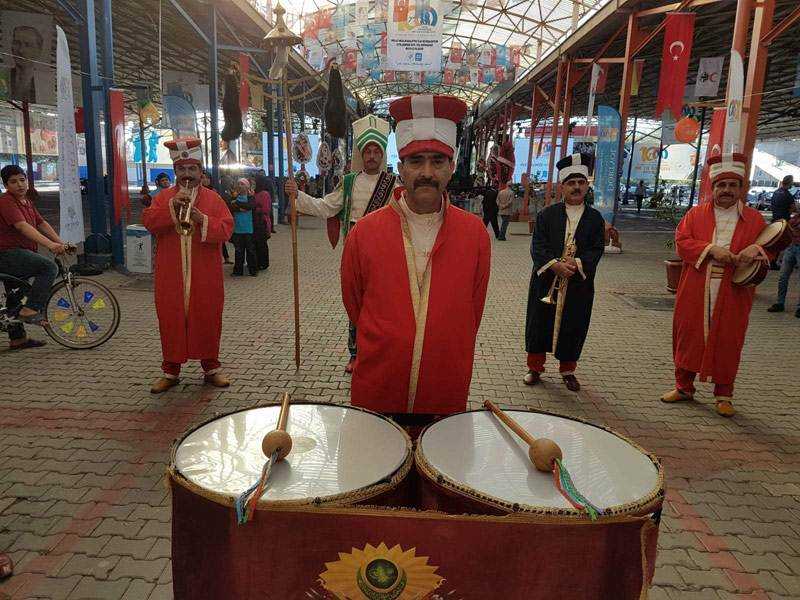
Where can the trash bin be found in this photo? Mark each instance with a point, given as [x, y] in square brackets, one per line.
[138, 249]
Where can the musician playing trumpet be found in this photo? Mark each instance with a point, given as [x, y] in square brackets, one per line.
[566, 248]
[190, 223]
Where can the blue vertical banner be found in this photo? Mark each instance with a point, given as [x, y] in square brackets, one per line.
[607, 161]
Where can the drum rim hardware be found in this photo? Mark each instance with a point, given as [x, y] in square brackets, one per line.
[648, 504]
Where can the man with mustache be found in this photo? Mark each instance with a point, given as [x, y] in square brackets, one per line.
[559, 227]
[366, 189]
[189, 293]
[415, 273]
[711, 313]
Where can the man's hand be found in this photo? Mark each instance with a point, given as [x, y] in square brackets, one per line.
[749, 254]
[722, 255]
[290, 187]
[58, 249]
[564, 269]
[196, 216]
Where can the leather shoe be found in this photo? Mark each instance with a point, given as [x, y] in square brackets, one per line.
[676, 395]
[571, 382]
[777, 307]
[724, 406]
[217, 380]
[162, 384]
[797, 313]
[6, 566]
[350, 365]
[532, 378]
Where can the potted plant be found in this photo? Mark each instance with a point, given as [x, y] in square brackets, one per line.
[668, 209]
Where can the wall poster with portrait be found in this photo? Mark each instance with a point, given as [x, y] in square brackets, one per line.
[26, 56]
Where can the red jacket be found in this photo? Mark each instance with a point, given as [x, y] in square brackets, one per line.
[377, 279]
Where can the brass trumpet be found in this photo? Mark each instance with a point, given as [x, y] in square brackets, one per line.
[558, 294]
[185, 225]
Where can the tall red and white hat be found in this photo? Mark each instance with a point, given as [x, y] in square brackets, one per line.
[427, 123]
[727, 166]
[184, 151]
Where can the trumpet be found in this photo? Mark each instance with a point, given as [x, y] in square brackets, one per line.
[185, 226]
[558, 293]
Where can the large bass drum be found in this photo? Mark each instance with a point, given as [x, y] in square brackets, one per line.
[471, 463]
[341, 456]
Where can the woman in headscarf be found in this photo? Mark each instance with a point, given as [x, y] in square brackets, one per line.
[262, 220]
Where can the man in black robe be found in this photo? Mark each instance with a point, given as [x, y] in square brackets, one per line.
[559, 226]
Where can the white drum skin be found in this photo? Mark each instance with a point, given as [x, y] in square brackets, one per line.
[336, 452]
[474, 455]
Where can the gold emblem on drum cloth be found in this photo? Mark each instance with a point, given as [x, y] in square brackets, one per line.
[380, 573]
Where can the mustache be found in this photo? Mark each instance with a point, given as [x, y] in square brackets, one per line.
[424, 183]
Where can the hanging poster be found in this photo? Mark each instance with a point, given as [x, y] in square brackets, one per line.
[414, 36]
[187, 86]
[733, 120]
[9, 123]
[27, 43]
[607, 165]
[71, 206]
[709, 74]
[636, 79]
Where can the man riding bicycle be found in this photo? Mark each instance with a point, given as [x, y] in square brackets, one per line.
[21, 229]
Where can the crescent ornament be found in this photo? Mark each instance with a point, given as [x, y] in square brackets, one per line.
[676, 44]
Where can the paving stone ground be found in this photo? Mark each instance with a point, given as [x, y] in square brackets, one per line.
[85, 513]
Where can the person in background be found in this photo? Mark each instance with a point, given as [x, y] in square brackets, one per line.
[490, 208]
[783, 203]
[262, 221]
[22, 228]
[505, 204]
[639, 196]
[242, 205]
[791, 260]
[205, 181]
[162, 183]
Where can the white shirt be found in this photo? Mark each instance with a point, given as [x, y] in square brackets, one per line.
[574, 214]
[331, 204]
[726, 220]
[423, 230]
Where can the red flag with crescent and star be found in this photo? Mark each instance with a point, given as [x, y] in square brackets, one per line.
[714, 148]
[678, 35]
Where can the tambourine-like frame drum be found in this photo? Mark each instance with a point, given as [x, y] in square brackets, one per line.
[221, 457]
[470, 462]
[775, 237]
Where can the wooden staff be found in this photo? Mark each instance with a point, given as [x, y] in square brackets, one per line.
[287, 129]
[278, 441]
[542, 452]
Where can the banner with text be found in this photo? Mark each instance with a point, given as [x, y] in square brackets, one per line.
[607, 161]
[414, 36]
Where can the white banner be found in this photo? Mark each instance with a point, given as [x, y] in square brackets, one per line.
[592, 89]
[414, 36]
[71, 228]
[709, 74]
[733, 119]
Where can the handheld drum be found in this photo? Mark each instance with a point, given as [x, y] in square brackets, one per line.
[775, 237]
[471, 462]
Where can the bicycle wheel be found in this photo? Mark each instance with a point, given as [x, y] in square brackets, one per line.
[89, 322]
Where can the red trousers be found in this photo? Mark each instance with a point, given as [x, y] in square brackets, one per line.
[209, 365]
[536, 363]
[684, 381]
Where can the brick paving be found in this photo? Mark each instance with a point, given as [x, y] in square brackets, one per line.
[85, 513]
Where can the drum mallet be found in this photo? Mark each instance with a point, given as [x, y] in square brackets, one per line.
[542, 452]
[276, 445]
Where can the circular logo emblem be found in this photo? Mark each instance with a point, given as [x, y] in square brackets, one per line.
[184, 154]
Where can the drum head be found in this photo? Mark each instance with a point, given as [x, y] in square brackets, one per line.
[337, 451]
[744, 274]
[480, 457]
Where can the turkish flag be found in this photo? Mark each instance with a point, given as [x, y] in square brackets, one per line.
[714, 148]
[677, 51]
[244, 85]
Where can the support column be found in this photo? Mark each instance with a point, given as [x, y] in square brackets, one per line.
[697, 155]
[756, 72]
[26, 133]
[554, 133]
[281, 181]
[117, 253]
[526, 196]
[213, 94]
[631, 41]
[630, 161]
[98, 245]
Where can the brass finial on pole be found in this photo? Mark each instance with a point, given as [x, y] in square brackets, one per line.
[280, 38]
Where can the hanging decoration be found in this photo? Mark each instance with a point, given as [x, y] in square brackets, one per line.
[230, 106]
[687, 130]
[335, 108]
[676, 53]
[324, 158]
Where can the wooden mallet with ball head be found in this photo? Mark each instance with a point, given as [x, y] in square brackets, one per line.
[278, 441]
[542, 452]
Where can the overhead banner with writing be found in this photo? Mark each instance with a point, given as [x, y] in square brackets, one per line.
[71, 207]
[606, 168]
[709, 74]
[414, 36]
[733, 120]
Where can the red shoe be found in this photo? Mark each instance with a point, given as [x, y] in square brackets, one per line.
[6, 566]
[349, 367]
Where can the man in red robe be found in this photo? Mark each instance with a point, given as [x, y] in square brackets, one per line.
[415, 273]
[189, 292]
[711, 313]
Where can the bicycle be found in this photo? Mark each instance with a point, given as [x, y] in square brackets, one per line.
[80, 312]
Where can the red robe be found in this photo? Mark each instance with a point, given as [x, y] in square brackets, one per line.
[713, 348]
[398, 370]
[189, 304]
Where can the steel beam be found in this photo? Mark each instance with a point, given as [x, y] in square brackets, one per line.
[651, 35]
[673, 7]
[756, 73]
[554, 132]
[625, 90]
[117, 254]
[188, 18]
[781, 27]
[245, 49]
[73, 12]
[213, 91]
[239, 41]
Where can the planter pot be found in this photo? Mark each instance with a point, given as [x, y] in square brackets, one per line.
[674, 267]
